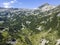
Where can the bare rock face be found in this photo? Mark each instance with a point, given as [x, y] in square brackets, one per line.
[58, 42]
[46, 7]
[44, 42]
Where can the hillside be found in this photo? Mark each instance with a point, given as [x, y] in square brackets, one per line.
[39, 26]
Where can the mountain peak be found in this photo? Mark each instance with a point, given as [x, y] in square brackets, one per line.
[46, 7]
[45, 4]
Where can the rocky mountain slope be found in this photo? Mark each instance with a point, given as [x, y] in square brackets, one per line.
[39, 26]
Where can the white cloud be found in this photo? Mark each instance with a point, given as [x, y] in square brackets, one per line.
[8, 4]
[34, 8]
[13, 1]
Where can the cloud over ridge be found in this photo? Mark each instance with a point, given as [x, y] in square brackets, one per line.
[8, 4]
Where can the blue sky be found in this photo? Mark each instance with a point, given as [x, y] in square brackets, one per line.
[26, 3]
